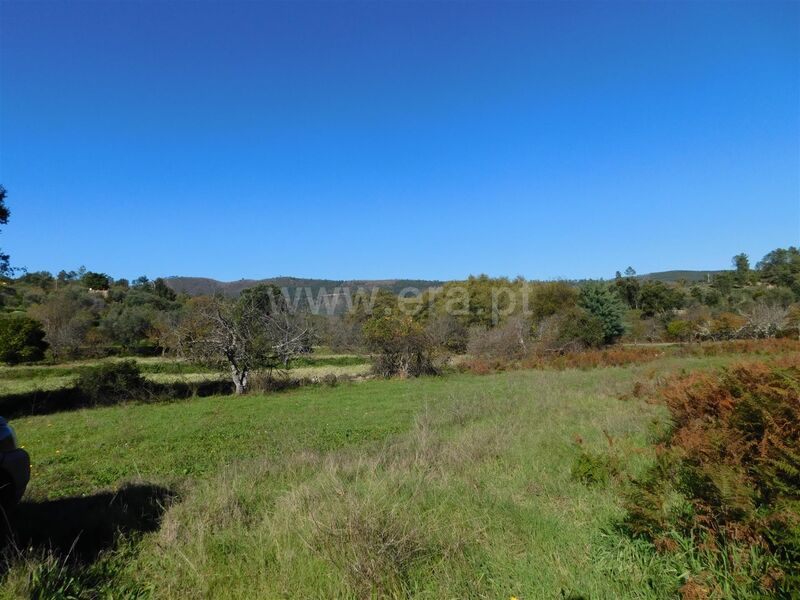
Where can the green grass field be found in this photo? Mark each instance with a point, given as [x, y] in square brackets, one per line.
[450, 487]
[24, 379]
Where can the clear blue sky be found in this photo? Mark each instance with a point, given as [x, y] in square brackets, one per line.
[380, 140]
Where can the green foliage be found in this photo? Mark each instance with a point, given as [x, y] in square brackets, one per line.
[5, 267]
[551, 298]
[593, 468]
[113, 382]
[656, 297]
[127, 325]
[603, 304]
[163, 291]
[680, 330]
[781, 267]
[96, 281]
[627, 287]
[741, 265]
[401, 346]
[577, 324]
[21, 340]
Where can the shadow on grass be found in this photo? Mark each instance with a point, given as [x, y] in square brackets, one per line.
[82, 527]
[44, 402]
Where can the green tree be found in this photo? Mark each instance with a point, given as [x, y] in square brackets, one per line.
[579, 325]
[96, 281]
[656, 297]
[551, 298]
[162, 290]
[5, 266]
[599, 301]
[21, 340]
[66, 316]
[127, 325]
[628, 287]
[781, 267]
[741, 263]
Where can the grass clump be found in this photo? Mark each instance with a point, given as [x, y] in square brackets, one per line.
[57, 578]
[593, 468]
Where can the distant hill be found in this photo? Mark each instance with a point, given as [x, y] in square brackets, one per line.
[195, 286]
[673, 276]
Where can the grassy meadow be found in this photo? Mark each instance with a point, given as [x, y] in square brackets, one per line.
[27, 379]
[459, 486]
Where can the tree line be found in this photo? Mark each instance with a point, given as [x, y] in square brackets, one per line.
[87, 314]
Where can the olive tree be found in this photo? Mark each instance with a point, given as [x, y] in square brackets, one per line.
[257, 331]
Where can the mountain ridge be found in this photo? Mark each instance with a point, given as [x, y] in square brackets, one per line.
[195, 286]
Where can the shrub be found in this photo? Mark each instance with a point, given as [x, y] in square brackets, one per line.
[552, 297]
[448, 332]
[21, 340]
[588, 359]
[113, 382]
[730, 472]
[504, 342]
[401, 346]
[593, 468]
[727, 326]
[680, 330]
[568, 331]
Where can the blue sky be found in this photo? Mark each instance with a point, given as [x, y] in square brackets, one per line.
[381, 140]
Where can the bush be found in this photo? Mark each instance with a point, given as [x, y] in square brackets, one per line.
[730, 473]
[504, 342]
[113, 382]
[21, 340]
[401, 346]
[448, 332]
[680, 330]
[593, 468]
[569, 331]
[552, 297]
[727, 326]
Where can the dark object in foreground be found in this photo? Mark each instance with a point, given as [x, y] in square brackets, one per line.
[15, 467]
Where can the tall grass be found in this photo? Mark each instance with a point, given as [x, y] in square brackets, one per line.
[474, 500]
[455, 487]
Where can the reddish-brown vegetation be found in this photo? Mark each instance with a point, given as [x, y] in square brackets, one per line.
[730, 472]
[617, 356]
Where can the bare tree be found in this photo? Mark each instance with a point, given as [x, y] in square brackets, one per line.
[257, 331]
[765, 321]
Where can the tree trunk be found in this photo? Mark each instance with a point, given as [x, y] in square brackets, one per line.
[239, 380]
